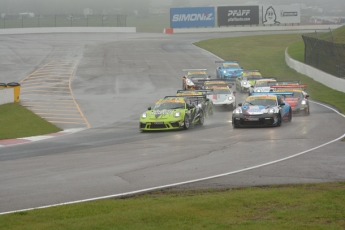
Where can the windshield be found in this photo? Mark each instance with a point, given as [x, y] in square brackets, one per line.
[231, 65]
[262, 84]
[168, 106]
[260, 101]
[197, 76]
[221, 91]
[295, 94]
[251, 77]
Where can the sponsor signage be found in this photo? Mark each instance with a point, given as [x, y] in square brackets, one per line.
[192, 17]
[238, 15]
[280, 14]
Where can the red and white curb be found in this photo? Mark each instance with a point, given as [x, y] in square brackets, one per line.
[24, 140]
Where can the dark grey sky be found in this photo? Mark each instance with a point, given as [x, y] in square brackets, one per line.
[128, 6]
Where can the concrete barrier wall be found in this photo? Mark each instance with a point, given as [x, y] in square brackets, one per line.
[68, 30]
[6, 95]
[249, 29]
[316, 74]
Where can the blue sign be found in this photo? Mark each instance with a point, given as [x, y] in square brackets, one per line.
[192, 17]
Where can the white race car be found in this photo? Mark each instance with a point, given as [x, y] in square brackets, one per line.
[223, 96]
[261, 86]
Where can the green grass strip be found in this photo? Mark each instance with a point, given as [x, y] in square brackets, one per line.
[313, 206]
[17, 121]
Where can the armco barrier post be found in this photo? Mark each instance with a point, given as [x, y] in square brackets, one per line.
[16, 89]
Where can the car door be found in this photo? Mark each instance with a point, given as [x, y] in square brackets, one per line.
[283, 108]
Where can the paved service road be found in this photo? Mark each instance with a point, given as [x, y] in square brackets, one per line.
[115, 78]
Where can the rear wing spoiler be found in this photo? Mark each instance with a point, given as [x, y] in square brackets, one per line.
[253, 78]
[284, 83]
[185, 70]
[199, 90]
[272, 93]
[232, 81]
[224, 61]
[228, 82]
[188, 97]
[250, 70]
[268, 78]
[303, 86]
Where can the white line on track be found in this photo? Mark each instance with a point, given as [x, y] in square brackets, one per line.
[190, 181]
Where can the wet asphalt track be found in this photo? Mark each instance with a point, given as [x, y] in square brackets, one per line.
[117, 76]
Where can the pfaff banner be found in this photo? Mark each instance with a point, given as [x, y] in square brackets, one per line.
[192, 17]
[238, 15]
[280, 14]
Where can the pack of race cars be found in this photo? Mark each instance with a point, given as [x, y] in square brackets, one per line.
[269, 102]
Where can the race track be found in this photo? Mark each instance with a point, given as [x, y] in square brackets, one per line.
[113, 79]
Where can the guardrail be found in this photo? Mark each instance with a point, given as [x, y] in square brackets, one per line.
[62, 20]
[248, 29]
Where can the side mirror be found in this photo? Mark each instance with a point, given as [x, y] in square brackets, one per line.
[149, 108]
[252, 86]
[307, 95]
[209, 76]
[239, 104]
[282, 104]
[234, 93]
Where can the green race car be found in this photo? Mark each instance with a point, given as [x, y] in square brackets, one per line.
[171, 113]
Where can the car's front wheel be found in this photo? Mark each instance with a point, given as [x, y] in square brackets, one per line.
[279, 122]
[290, 116]
[201, 118]
[210, 110]
[186, 123]
[307, 111]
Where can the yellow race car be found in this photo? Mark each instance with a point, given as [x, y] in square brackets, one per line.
[194, 79]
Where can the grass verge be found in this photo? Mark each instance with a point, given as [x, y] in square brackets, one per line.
[17, 121]
[312, 206]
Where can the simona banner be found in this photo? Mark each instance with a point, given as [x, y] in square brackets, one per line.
[192, 17]
[280, 14]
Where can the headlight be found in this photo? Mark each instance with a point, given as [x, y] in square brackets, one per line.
[244, 83]
[238, 110]
[258, 90]
[200, 105]
[270, 110]
[230, 98]
[303, 102]
[224, 71]
[144, 115]
[177, 114]
[189, 82]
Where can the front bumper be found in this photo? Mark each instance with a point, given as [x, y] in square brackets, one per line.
[187, 87]
[301, 109]
[245, 87]
[224, 103]
[161, 125]
[263, 120]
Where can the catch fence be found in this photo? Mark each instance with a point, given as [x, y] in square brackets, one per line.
[323, 53]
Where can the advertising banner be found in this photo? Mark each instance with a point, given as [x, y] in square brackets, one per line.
[238, 15]
[192, 17]
[280, 14]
